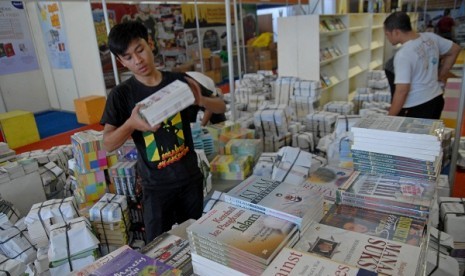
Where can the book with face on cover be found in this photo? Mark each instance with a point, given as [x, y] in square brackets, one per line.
[254, 235]
[295, 203]
[294, 262]
[363, 251]
[377, 224]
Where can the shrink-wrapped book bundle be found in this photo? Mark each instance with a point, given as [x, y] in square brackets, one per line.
[339, 107]
[264, 164]
[110, 219]
[54, 179]
[72, 246]
[202, 139]
[13, 267]
[43, 216]
[241, 147]
[283, 89]
[304, 141]
[88, 151]
[321, 123]
[9, 212]
[272, 120]
[231, 167]
[241, 239]
[292, 165]
[6, 153]
[15, 242]
[305, 98]
[166, 102]
[299, 204]
[452, 217]
[237, 133]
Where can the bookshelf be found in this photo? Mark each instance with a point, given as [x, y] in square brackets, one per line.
[360, 43]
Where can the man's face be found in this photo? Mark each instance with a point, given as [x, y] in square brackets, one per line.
[391, 36]
[138, 58]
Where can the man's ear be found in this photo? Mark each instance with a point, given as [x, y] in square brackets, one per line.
[120, 61]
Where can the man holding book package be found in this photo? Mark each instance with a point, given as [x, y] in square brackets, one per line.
[172, 184]
[421, 65]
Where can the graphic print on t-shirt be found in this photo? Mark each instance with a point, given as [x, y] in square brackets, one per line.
[169, 146]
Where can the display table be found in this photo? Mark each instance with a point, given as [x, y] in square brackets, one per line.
[19, 128]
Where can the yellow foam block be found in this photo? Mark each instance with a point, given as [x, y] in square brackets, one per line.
[19, 128]
[89, 109]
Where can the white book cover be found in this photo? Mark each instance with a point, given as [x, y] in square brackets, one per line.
[257, 235]
[294, 262]
[371, 253]
[166, 102]
[276, 198]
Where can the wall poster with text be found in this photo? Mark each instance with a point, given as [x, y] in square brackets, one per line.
[54, 34]
[17, 53]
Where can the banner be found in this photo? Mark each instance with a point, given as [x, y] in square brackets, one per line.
[56, 45]
[17, 53]
[209, 15]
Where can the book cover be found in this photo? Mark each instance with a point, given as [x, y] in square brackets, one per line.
[172, 250]
[403, 127]
[401, 193]
[328, 179]
[131, 262]
[8, 47]
[294, 262]
[390, 158]
[374, 223]
[257, 235]
[276, 198]
[371, 253]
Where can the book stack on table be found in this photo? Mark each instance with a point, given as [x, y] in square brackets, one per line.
[298, 204]
[243, 240]
[241, 147]
[439, 261]
[340, 107]
[321, 123]
[305, 98]
[272, 124]
[231, 167]
[398, 146]
[292, 165]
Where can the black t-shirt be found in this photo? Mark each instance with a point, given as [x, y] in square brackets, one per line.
[167, 156]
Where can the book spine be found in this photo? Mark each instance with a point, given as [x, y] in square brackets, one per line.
[391, 164]
[386, 171]
[122, 178]
[388, 157]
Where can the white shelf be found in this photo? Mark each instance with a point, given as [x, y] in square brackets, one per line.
[332, 33]
[353, 49]
[375, 64]
[353, 71]
[356, 29]
[375, 45]
[377, 26]
[328, 61]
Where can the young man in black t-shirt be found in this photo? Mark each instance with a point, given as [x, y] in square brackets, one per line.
[167, 164]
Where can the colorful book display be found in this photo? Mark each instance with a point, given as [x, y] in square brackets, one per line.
[88, 151]
[123, 175]
[231, 167]
[91, 187]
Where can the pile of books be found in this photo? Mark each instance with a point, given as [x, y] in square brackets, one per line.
[305, 98]
[283, 89]
[331, 24]
[88, 151]
[53, 179]
[13, 267]
[292, 165]
[247, 147]
[123, 176]
[238, 238]
[304, 141]
[9, 211]
[398, 146]
[298, 204]
[321, 123]
[15, 242]
[6, 153]
[110, 219]
[231, 167]
[340, 107]
[202, 139]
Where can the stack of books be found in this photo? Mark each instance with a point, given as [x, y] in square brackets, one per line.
[387, 193]
[231, 167]
[386, 257]
[87, 270]
[72, 246]
[292, 165]
[283, 89]
[110, 219]
[238, 238]
[166, 102]
[13, 267]
[53, 179]
[339, 107]
[10, 212]
[264, 165]
[295, 203]
[15, 242]
[321, 123]
[88, 151]
[44, 215]
[6, 153]
[202, 139]
[237, 133]
[244, 147]
[90, 188]
[123, 175]
[305, 98]
[452, 216]
[304, 141]
[272, 120]
[398, 146]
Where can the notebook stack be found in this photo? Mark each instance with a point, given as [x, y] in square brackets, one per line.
[298, 204]
[398, 146]
[243, 240]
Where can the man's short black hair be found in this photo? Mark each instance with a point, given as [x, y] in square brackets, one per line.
[121, 35]
[446, 12]
[398, 20]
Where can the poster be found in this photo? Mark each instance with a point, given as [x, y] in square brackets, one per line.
[17, 53]
[56, 45]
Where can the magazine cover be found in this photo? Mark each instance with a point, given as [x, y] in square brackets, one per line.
[374, 223]
[328, 179]
[256, 234]
[360, 250]
[134, 263]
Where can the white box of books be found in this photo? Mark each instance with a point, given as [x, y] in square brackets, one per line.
[166, 102]
[452, 215]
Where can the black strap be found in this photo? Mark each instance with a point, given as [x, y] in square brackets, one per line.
[42, 221]
[438, 255]
[6, 272]
[293, 163]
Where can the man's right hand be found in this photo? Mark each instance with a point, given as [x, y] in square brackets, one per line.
[138, 123]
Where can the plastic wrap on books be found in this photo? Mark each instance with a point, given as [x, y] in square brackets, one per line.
[307, 137]
[122, 215]
[22, 236]
[437, 256]
[278, 162]
[458, 214]
[7, 207]
[59, 209]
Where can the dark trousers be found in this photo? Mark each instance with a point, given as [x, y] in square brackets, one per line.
[165, 207]
[429, 110]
